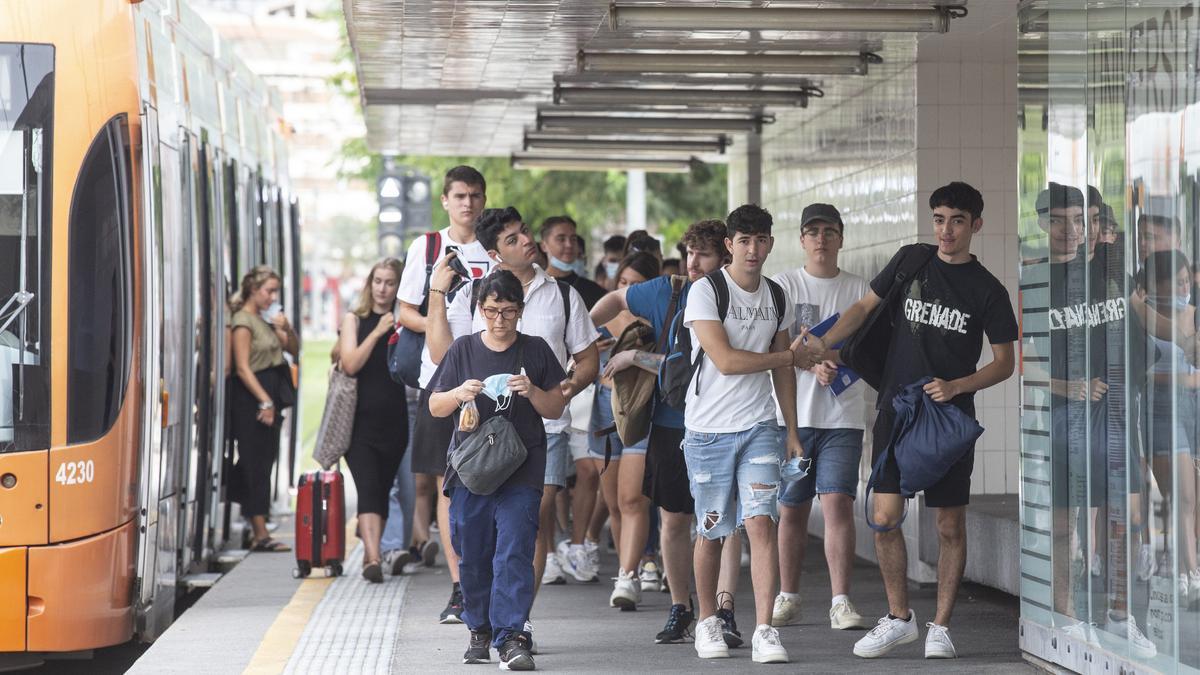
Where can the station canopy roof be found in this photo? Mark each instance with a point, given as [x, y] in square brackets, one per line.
[469, 77]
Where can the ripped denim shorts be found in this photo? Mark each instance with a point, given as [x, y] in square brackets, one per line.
[733, 476]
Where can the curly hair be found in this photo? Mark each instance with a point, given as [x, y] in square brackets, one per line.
[706, 235]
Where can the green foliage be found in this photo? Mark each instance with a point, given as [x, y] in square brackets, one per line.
[595, 199]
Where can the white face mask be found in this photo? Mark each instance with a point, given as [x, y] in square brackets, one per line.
[610, 269]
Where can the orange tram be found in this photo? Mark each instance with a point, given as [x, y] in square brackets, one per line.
[142, 172]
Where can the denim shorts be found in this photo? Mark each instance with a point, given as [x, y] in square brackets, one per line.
[602, 418]
[558, 458]
[836, 455]
[723, 470]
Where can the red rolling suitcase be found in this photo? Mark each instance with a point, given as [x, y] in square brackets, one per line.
[320, 523]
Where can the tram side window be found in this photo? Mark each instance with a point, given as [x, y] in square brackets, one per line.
[100, 316]
[26, 140]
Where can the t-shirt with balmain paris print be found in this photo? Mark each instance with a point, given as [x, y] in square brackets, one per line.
[940, 322]
[730, 403]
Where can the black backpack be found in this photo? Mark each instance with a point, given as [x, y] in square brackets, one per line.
[405, 346]
[678, 368]
[865, 351]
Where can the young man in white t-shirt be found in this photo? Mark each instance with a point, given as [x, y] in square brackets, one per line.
[731, 442]
[464, 192]
[831, 421]
[512, 247]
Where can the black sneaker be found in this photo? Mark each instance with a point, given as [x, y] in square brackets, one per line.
[514, 654]
[678, 628]
[454, 608]
[729, 631]
[480, 649]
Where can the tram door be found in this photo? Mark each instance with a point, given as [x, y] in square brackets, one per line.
[190, 407]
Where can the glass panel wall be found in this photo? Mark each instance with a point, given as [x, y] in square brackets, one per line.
[1109, 148]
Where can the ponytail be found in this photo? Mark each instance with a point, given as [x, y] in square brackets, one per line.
[253, 281]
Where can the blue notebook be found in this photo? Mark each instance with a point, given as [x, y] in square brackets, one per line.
[845, 377]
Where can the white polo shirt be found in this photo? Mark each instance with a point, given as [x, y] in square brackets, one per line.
[543, 317]
[412, 281]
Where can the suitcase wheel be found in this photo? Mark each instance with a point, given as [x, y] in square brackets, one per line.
[303, 569]
[334, 569]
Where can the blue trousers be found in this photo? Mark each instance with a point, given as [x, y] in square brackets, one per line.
[397, 531]
[494, 537]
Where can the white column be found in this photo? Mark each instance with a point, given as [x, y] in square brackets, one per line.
[635, 200]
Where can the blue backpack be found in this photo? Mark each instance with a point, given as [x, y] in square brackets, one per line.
[678, 368]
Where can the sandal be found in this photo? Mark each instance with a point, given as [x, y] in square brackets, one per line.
[270, 545]
[373, 572]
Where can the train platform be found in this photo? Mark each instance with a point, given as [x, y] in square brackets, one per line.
[258, 619]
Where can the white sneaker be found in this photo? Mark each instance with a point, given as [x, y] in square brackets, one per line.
[710, 642]
[843, 616]
[648, 575]
[887, 634]
[593, 553]
[1193, 585]
[937, 642]
[1183, 586]
[786, 612]
[1083, 632]
[1096, 564]
[578, 564]
[1146, 564]
[532, 643]
[627, 592]
[553, 575]
[1139, 644]
[766, 646]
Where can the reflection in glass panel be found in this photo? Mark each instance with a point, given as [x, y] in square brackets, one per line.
[1109, 163]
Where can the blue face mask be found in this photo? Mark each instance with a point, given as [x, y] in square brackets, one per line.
[610, 269]
[580, 267]
[795, 468]
[496, 388]
[560, 265]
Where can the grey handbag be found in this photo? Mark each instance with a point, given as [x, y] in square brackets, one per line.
[493, 452]
[337, 422]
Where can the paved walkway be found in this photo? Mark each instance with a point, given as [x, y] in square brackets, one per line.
[577, 631]
[258, 619]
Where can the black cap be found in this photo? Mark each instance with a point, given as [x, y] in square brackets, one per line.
[825, 212]
[1058, 196]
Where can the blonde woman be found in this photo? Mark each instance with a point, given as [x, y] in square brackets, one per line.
[260, 389]
[381, 415]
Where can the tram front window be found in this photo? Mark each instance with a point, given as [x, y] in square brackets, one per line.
[26, 115]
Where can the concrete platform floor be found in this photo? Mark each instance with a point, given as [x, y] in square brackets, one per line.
[258, 619]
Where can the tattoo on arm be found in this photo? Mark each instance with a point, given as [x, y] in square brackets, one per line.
[648, 361]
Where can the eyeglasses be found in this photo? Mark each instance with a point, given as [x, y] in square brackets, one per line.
[509, 313]
[823, 233]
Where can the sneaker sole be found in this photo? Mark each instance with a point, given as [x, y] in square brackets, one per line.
[517, 664]
[471, 662]
[398, 563]
[586, 580]
[649, 587]
[714, 655]
[940, 655]
[880, 651]
[556, 581]
[770, 658]
[429, 555]
[449, 620]
[624, 604]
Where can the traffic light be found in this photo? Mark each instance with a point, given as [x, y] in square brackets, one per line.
[404, 208]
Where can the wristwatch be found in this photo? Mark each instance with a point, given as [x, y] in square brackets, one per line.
[265, 405]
